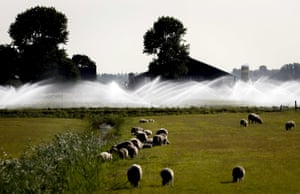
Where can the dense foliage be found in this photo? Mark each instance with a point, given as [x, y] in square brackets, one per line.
[164, 41]
[36, 52]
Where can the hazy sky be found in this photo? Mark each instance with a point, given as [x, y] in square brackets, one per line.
[223, 33]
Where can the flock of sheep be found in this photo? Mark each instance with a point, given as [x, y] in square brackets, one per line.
[238, 172]
[129, 149]
[255, 118]
[142, 140]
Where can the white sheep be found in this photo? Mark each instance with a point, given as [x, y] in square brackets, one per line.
[238, 173]
[167, 176]
[290, 124]
[134, 174]
[105, 156]
[162, 131]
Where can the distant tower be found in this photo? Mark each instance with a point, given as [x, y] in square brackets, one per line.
[245, 73]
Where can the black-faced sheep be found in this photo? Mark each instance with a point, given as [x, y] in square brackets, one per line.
[167, 176]
[244, 122]
[238, 173]
[162, 131]
[134, 174]
[289, 125]
[254, 118]
[105, 156]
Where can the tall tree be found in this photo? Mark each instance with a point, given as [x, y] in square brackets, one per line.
[86, 66]
[8, 64]
[165, 41]
[38, 34]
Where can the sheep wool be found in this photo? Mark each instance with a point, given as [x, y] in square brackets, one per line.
[134, 174]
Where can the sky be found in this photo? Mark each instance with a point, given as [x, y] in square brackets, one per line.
[223, 33]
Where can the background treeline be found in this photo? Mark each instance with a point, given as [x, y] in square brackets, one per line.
[91, 112]
[36, 51]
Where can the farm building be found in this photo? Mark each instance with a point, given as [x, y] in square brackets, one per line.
[197, 70]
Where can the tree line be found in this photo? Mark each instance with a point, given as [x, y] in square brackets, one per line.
[36, 51]
[39, 34]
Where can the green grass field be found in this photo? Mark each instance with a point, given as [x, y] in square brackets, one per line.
[17, 133]
[204, 148]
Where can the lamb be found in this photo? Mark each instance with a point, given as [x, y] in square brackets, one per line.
[244, 122]
[254, 118]
[162, 131]
[289, 125]
[167, 176]
[134, 174]
[105, 156]
[238, 173]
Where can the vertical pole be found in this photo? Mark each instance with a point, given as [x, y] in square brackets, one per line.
[295, 105]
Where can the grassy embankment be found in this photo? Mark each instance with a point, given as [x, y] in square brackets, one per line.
[204, 148]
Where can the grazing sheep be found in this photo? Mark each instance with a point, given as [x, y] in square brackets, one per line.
[151, 120]
[132, 151]
[254, 118]
[123, 153]
[134, 174]
[137, 143]
[144, 121]
[124, 144]
[105, 156]
[167, 176]
[134, 130]
[238, 173]
[160, 140]
[244, 122]
[148, 132]
[289, 125]
[147, 145]
[142, 136]
[162, 131]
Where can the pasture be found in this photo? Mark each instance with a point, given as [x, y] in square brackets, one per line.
[203, 150]
[17, 133]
